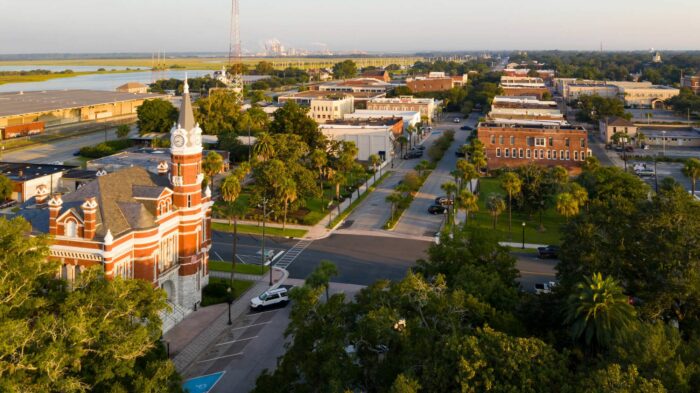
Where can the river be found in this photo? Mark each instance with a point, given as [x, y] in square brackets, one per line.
[107, 82]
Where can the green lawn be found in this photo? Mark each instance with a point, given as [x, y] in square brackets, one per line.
[216, 293]
[242, 268]
[551, 220]
[257, 230]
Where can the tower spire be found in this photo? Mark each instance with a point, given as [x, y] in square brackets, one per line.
[186, 89]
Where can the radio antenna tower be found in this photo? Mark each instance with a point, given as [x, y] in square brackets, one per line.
[234, 54]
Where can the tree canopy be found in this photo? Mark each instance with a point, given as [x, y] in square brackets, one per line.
[90, 334]
[156, 116]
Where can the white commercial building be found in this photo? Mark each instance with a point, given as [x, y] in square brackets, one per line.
[368, 139]
[410, 118]
[426, 106]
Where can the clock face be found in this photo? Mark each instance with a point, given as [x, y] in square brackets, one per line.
[179, 141]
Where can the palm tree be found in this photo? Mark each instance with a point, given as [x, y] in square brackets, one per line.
[579, 194]
[319, 160]
[450, 189]
[591, 164]
[288, 194]
[496, 206]
[394, 198]
[213, 163]
[232, 209]
[598, 310]
[374, 161]
[469, 202]
[567, 205]
[402, 141]
[512, 184]
[264, 147]
[421, 167]
[468, 172]
[559, 175]
[691, 169]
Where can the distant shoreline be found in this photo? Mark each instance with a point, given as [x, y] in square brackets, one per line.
[6, 79]
[214, 63]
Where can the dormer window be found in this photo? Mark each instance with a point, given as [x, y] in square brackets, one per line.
[71, 228]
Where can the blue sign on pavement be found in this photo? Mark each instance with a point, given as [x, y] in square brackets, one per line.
[202, 384]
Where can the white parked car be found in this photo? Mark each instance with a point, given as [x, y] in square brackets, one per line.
[270, 298]
[544, 287]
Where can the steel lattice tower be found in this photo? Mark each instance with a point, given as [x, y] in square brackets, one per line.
[234, 53]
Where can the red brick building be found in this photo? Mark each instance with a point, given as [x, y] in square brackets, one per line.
[519, 143]
[435, 81]
[520, 91]
[142, 225]
[381, 75]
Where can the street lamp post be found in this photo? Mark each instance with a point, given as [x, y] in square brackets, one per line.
[523, 235]
[229, 300]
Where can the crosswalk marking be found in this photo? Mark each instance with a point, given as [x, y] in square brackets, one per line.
[292, 254]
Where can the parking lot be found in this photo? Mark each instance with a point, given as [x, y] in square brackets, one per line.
[241, 352]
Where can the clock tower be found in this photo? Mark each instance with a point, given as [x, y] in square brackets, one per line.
[186, 157]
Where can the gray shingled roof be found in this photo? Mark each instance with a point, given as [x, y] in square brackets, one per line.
[118, 210]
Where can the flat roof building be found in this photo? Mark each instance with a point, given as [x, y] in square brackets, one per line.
[525, 108]
[435, 81]
[371, 137]
[425, 106]
[323, 106]
[68, 106]
[33, 180]
[410, 118]
[513, 144]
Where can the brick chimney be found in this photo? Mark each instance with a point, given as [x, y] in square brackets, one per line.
[55, 204]
[89, 218]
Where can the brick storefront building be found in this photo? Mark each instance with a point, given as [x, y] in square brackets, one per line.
[141, 225]
[516, 144]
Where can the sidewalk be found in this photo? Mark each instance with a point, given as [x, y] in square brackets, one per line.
[200, 328]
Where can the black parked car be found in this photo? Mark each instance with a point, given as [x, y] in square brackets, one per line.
[443, 201]
[459, 153]
[419, 147]
[413, 154]
[466, 128]
[437, 209]
[548, 252]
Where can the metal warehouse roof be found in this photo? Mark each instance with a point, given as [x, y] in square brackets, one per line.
[19, 103]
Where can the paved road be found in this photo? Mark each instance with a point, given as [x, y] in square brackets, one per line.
[416, 221]
[61, 150]
[361, 260]
[248, 246]
[534, 270]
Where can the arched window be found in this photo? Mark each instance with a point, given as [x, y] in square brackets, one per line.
[71, 228]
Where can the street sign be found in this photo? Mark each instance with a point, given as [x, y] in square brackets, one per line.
[202, 384]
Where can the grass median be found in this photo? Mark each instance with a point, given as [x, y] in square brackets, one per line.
[241, 268]
[257, 230]
[359, 200]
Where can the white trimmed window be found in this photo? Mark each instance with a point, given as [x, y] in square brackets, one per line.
[527, 153]
[520, 153]
[71, 228]
[540, 142]
[506, 153]
[498, 152]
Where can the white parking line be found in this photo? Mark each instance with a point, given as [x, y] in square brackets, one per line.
[220, 357]
[235, 341]
[263, 312]
[255, 324]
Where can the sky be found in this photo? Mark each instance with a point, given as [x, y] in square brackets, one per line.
[106, 26]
